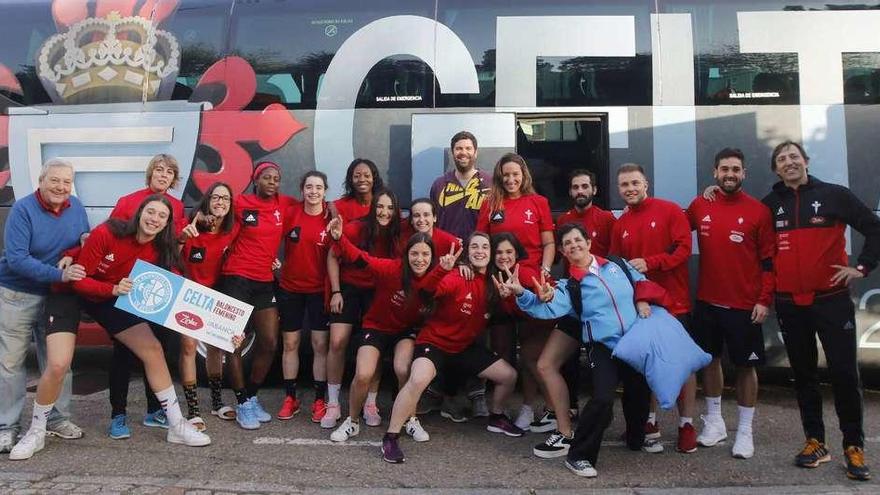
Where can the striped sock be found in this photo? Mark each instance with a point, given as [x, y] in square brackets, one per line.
[168, 399]
[40, 415]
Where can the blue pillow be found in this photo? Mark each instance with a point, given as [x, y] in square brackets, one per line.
[661, 349]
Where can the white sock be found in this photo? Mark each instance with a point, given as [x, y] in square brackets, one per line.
[683, 420]
[652, 418]
[168, 399]
[40, 415]
[526, 409]
[371, 398]
[745, 419]
[713, 406]
[333, 393]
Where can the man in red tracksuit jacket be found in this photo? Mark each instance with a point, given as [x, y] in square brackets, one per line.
[734, 293]
[812, 278]
[655, 236]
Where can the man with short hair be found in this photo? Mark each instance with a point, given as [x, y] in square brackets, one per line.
[655, 237]
[460, 192]
[812, 284]
[734, 293]
[40, 227]
[582, 188]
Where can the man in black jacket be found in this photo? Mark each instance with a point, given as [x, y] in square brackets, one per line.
[812, 279]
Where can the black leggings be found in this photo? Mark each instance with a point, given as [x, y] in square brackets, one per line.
[599, 411]
[124, 361]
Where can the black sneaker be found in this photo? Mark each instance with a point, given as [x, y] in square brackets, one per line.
[813, 454]
[499, 423]
[452, 411]
[556, 445]
[856, 469]
[428, 403]
[546, 423]
[391, 450]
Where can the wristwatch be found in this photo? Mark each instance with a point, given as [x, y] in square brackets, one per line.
[862, 269]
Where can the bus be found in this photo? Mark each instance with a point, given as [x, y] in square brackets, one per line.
[311, 84]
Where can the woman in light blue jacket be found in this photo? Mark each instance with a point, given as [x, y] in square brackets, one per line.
[606, 296]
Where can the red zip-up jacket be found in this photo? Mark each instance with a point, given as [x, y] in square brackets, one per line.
[460, 313]
[810, 222]
[658, 231]
[737, 244]
[127, 206]
[107, 259]
[261, 223]
[598, 223]
[391, 310]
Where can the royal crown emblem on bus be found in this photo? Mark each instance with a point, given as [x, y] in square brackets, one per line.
[110, 72]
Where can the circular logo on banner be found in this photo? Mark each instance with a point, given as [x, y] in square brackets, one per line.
[150, 293]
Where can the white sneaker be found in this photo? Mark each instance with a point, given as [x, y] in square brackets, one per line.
[186, 434]
[714, 431]
[525, 418]
[65, 429]
[743, 447]
[582, 468]
[331, 416]
[32, 442]
[346, 430]
[7, 440]
[413, 428]
[652, 446]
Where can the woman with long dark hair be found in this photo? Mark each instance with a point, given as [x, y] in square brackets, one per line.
[301, 290]
[247, 275]
[107, 257]
[446, 342]
[403, 289]
[351, 290]
[207, 237]
[513, 206]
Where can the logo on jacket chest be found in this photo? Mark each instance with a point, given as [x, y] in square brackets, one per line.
[197, 255]
[530, 217]
[295, 234]
[250, 218]
[498, 217]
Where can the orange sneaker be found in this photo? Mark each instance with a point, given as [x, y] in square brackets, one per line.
[289, 408]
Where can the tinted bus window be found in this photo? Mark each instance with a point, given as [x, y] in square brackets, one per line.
[724, 76]
[200, 28]
[290, 45]
[25, 25]
[561, 81]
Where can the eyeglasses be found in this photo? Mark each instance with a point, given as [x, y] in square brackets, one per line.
[217, 197]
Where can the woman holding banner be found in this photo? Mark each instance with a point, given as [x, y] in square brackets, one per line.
[107, 258]
[210, 232]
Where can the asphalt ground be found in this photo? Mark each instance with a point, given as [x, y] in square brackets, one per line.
[297, 455]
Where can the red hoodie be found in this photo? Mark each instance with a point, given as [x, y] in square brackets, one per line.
[107, 259]
[460, 313]
[391, 310]
[658, 231]
[737, 242]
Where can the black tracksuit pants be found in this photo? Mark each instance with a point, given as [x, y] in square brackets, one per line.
[832, 318]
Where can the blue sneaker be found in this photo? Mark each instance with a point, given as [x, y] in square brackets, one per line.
[118, 429]
[246, 416]
[156, 419]
[261, 414]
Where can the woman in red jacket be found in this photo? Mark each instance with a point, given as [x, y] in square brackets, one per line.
[301, 290]
[446, 342]
[208, 235]
[403, 290]
[351, 290]
[247, 275]
[107, 258]
[513, 206]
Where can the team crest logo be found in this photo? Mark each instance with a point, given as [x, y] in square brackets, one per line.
[151, 292]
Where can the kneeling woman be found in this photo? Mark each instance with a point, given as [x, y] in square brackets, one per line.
[107, 258]
[600, 294]
[446, 342]
[402, 290]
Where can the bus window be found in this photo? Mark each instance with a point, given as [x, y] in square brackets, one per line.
[290, 45]
[861, 78]
[593, 81]
[24, 25]
[200, 28]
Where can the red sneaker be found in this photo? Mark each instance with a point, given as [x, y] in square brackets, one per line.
[319, 407]
[289, 408]
[652, 430]
[687, 439]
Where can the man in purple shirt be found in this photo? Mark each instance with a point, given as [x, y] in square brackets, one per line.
[459, 193]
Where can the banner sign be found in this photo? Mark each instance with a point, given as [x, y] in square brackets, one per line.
[184, 306]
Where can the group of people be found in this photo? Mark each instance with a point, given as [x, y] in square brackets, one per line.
[458, 295]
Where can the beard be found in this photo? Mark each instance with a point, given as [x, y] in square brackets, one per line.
[729, 187]
[583, 201]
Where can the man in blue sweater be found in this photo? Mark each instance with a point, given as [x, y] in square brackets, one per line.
[40, 227]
